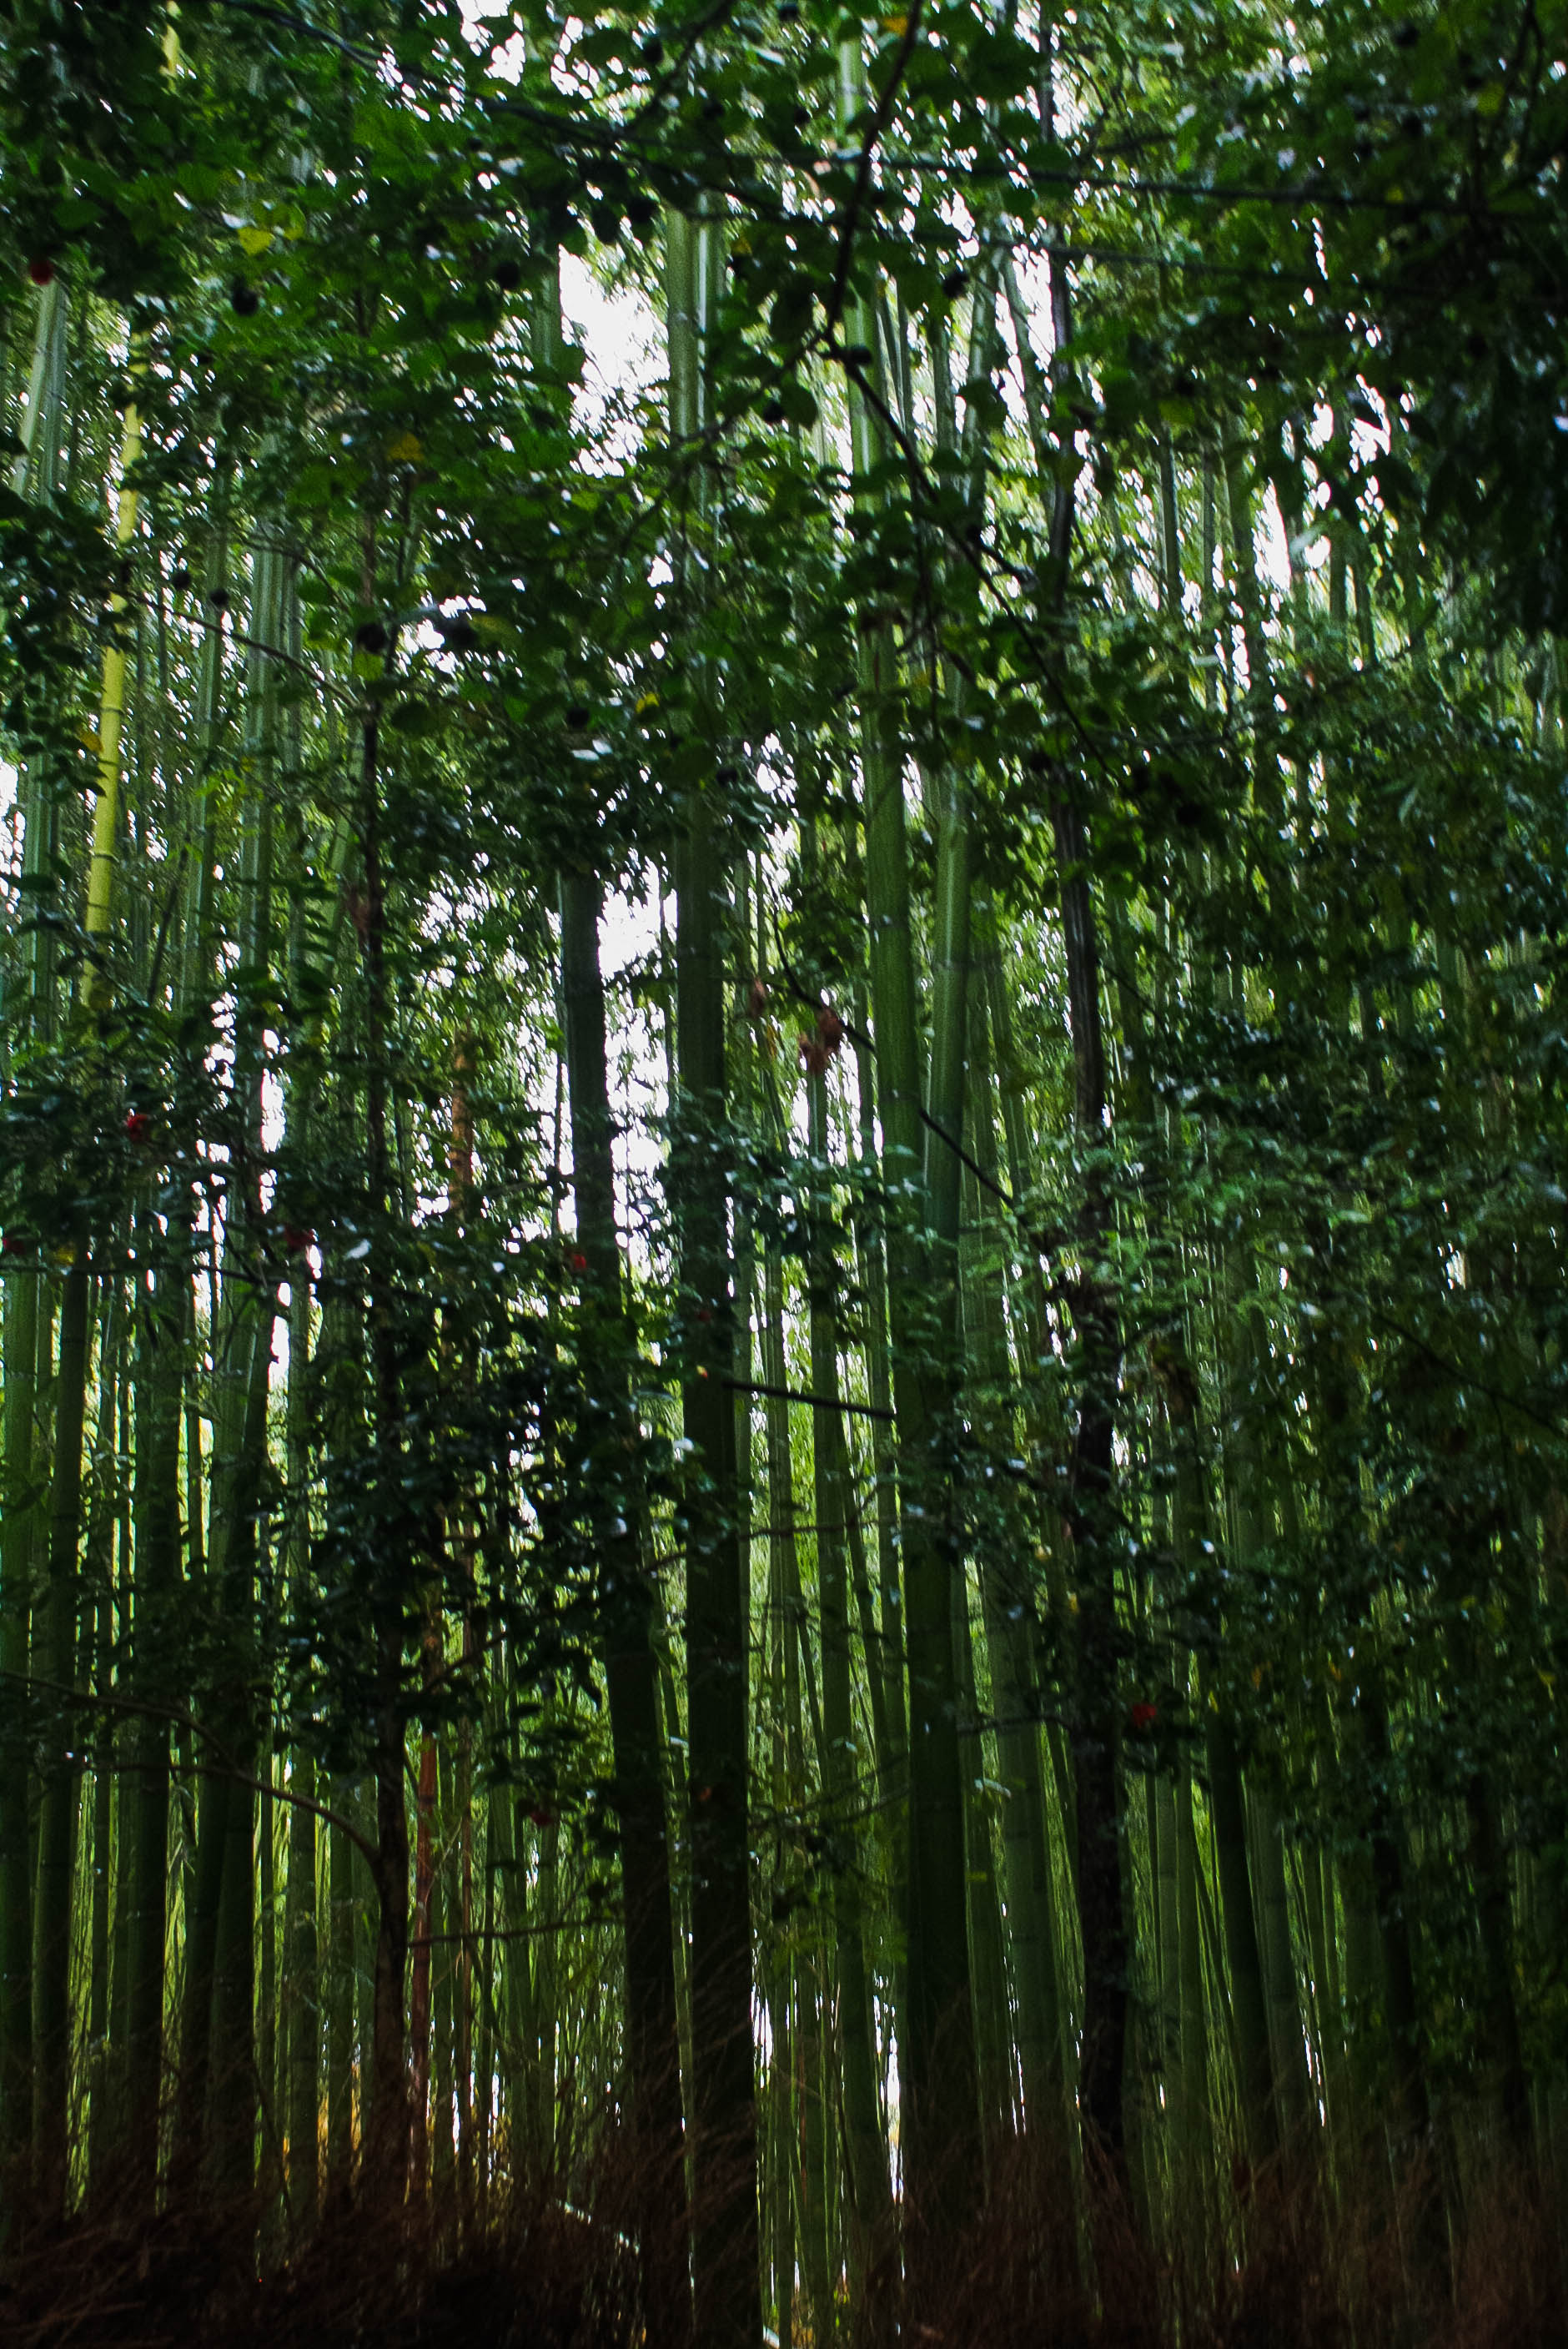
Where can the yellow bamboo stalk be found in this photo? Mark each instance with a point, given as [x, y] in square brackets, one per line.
[111, 714]
[111, 699]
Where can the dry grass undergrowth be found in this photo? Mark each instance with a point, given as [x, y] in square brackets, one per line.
[1370, 2271]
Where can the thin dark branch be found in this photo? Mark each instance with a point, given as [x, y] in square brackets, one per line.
[819, 1402]
[143, 1709]
[833, 307]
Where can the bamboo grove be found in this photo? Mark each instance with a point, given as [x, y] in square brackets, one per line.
[782, 1147]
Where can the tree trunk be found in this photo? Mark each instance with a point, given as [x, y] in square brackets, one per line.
[1009, 1612]
[937, 2069]
[160, 1395]
[62, 1774]
[652, 2038]
[724, 2114]
[846, 1782]
[1095, 1717]
[22, 1522]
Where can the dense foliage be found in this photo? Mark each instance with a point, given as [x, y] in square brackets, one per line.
[781, 1138]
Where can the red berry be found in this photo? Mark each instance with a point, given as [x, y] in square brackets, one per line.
[1144, 1716]
[578, 1261]
[41, 270]
[138, 1126]
[295, 1240]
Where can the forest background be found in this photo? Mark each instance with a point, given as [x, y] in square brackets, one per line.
[781, 1138]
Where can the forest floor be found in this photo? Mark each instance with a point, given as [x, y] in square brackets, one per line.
[535, 2273]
